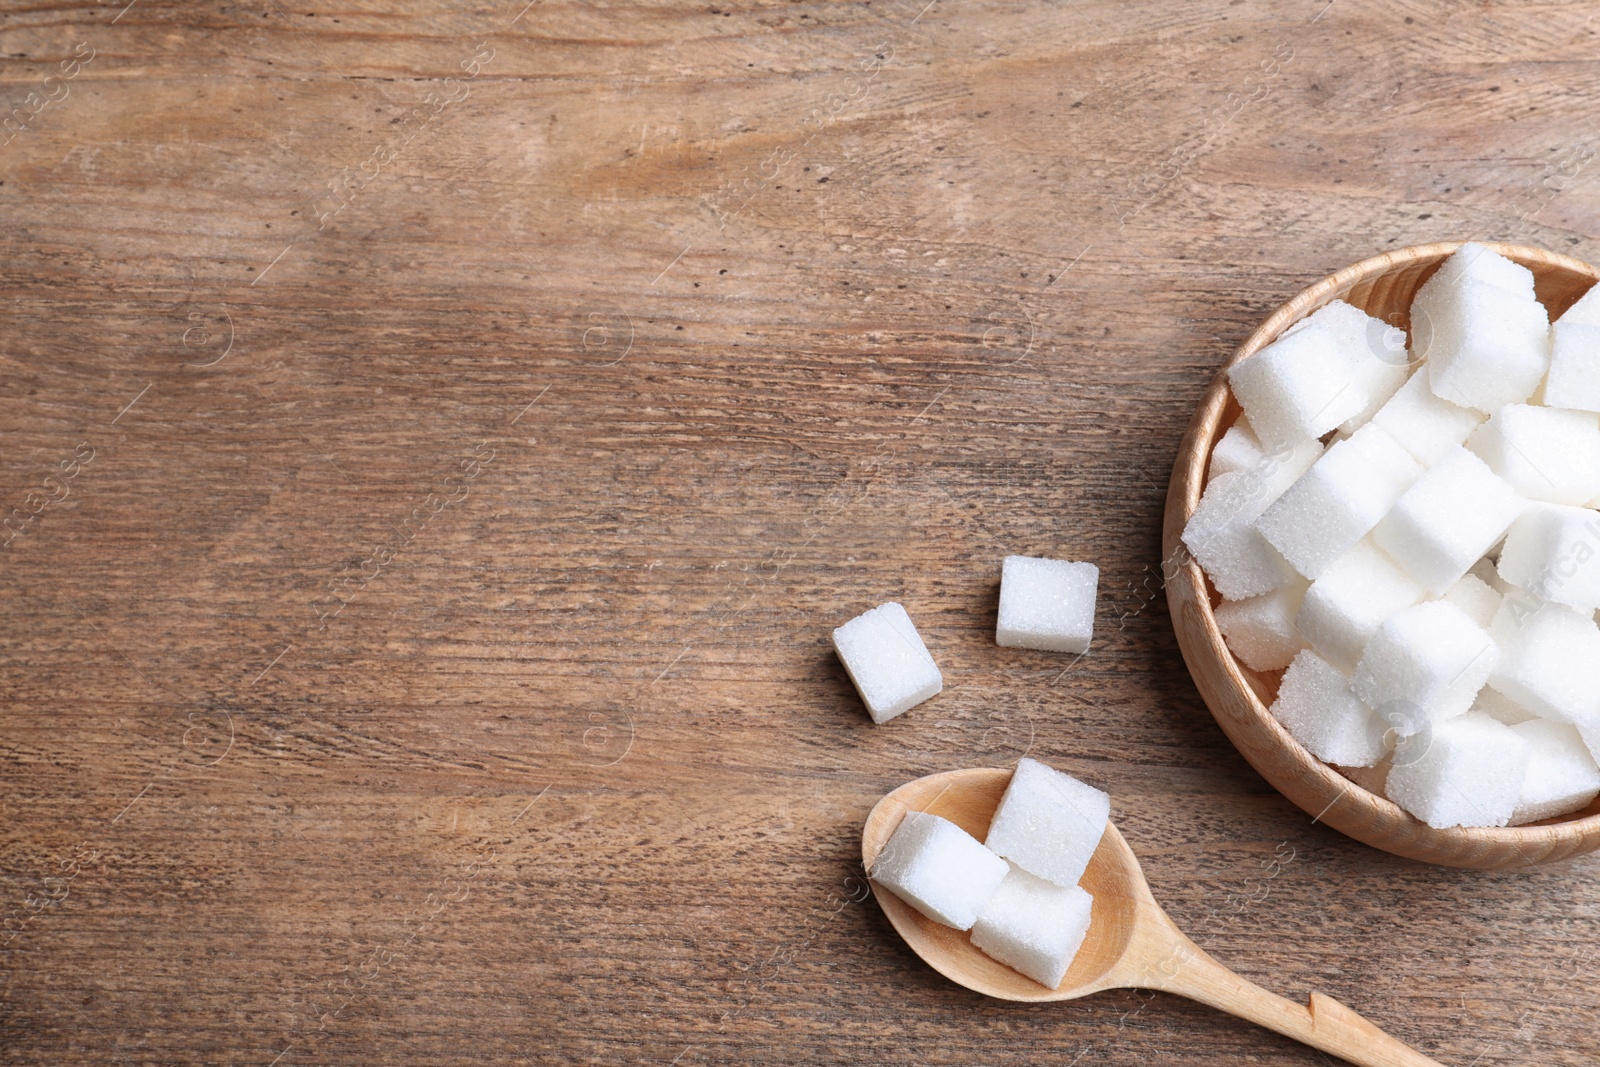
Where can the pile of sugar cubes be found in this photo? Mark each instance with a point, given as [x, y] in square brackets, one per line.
[1045, 604]
[1414, 536]
[1017, 891]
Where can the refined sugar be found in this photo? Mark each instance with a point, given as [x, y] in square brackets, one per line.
[1034, 926]
[886, 659]
[1318, 709]
[1549, 661]
[1046, 604]
[1339, 500]
[1544, 453]
[1476, 597]
[1448, 520]
[1485, 346]
[1221, 532]
[1049, 823]
[1586, 310]
[1467, 771]
[1473, 262]
[939, 869]
[1553, 552]
[1323, 372]
[1425, 424]
[1261, 631]
[1501, 708]
[1574, 380]
[1562, 776]
[1424, 665]
[1238, 450]
[1346, 605]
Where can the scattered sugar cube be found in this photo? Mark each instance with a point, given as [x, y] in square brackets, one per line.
[1500, 707]
[1473, 262]
[1485, 346]
[1562, 776]
[1346, 605]
[939, 869]
[1339, 500]
[1549, 661]
[1046, 604]
[1586, 310]
[1425, 424]
[1424, 665]
[886, 659]
[1261, 630]
[1574, 380]
[1318, 709]
[1467, 771]
[1238, 450]
[1049, 823]
[1221, 532]
[1476, 597]
[1544, 453]
[1034, 926]
[1553, 552]
[1321, 373]
[1448, 520]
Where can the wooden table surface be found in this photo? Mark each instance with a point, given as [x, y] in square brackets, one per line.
[439, 438]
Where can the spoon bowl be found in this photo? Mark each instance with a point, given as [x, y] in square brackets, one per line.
[1131, 942]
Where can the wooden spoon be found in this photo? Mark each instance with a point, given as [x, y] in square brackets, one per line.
[1131, 942]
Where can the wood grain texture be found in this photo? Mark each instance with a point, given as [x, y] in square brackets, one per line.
[427, 659]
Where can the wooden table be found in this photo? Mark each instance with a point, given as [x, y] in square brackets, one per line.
[439, 440]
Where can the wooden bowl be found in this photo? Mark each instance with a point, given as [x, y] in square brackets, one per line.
[1238, 697]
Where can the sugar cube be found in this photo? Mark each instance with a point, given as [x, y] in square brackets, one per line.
[1473, 262]
[886, 659]
[1448, 520]
[1046, 604]
[1222, 535]
[1049, 823]
[1574, 380]
[1318, 709]
[1467, 771]
[1562, 776]
[1549, 661]
[939, 869]
[1485, 346]
[1318, 375]
[1476, 597]
[1034, 926]
[1339, 500]
[1346, 605]
[1425, 424]
[1553, 552]
[1238, 450]
[1426, 664]
[1261, 630]
[1544, 453]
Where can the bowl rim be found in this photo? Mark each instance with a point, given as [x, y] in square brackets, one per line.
[1185, 579]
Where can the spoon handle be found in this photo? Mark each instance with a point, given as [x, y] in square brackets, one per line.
[1167, 960]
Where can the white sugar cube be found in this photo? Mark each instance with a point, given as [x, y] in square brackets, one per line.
[1473, 262]
[1034, 926]
[1544, 453]
[886, 659]
[1346, 605]
[1261, 630]
[1222, 535]
[1467, 771]
[939, 869]
[1574, 380]
[1485, 346]
[1318, 709]
[1323, 372]
[1424, 665]
[1425, 424]
[1553, 552]
[1046, 604]
[1476, 597]
[1049, 823]
[1238, 450]
[1562, 776]
[1549, 661]
[1339, 500]
[1448, 520]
